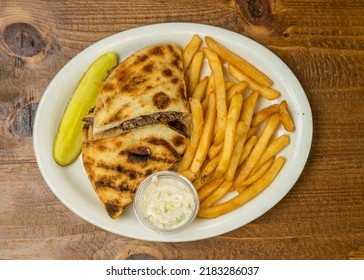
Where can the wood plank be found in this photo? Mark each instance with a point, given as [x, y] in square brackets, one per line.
[98, 245]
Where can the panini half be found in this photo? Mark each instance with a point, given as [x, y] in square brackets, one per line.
[146, 88]
[116, 166]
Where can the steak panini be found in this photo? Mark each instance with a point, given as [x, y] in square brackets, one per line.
[139, 125]
[146, 88]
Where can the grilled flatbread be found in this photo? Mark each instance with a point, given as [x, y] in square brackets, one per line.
[116, 166]
[146, 88]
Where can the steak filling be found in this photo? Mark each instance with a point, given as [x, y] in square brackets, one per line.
[172, 119]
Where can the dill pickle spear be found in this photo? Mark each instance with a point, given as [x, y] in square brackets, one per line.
[68, 141]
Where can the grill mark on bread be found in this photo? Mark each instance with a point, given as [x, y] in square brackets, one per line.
[140, 155]
[100, 148]
[123, 110]
[123, 188]
[148, 68]
[112, 208]
[141, 59]
[135, 81]
[161, 142]
[167, 72]
[109, 181]
[145, 159]
[122, 76]
[109, 87]
[178, 140]
[157, 51]
[171, 49]
[141, 150]
[119, 169]
[174, 80]
[177, 63]
[133, 175]
[161, 100]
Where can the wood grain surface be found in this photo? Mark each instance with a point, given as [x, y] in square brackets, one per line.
[322, 41]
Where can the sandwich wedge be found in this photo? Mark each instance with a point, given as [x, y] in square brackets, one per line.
[146, 88]
[139, 125]
[116, 166]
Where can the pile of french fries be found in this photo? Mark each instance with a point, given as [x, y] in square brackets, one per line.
[225, 153]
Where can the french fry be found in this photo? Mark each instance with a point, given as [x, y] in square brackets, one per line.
[196, 131]
[209, 188]
[255, 175]
[188, 174]
[248, 146]
[257, 151]
[219, 193]
[251, 132]
[240, 139]
[285, 117]
[248, 109]
[199, 183]
[206, 136]
[214, 150]
[248, 194]
[268, 93]
[199, 92]
[210, 167]
[195, 71]
[210, 84]
[190, 50]
[234, 89]
[228, 146]
[228, 84]
[220, 92]
[263, 114]
[238, 61]
[210, 88]
[241, 130]
[205, 102]
[272, 149]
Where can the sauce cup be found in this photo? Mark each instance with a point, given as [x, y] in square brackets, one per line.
[166, 201]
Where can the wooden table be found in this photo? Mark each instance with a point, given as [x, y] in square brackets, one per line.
[322, 217]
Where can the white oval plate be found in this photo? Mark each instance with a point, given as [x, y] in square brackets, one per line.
[71, 185]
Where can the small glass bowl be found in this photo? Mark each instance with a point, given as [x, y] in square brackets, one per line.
[177, 191]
